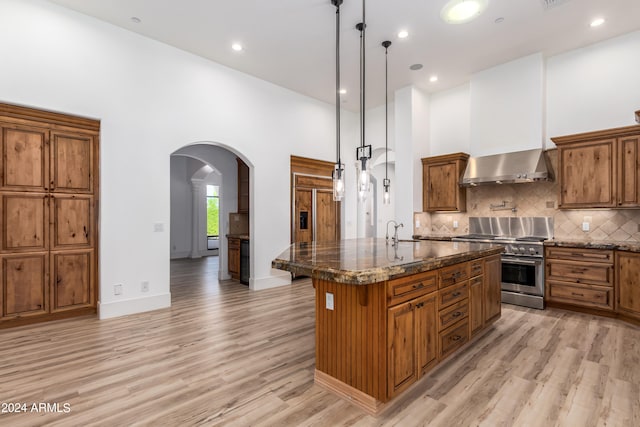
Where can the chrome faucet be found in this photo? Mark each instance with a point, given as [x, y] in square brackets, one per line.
[395, 234]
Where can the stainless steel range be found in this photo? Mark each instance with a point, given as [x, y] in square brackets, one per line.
[523, 259]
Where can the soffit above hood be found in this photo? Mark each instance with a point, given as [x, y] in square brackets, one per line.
[508, 168]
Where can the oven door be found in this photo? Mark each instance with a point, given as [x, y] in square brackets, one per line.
[523, 275]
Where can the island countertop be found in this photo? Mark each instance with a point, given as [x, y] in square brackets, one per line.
[369, 260]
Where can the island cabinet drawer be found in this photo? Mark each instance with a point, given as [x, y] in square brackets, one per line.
[583, 295]
[452, 314]
[453, 294]
[454, 337]
[406, 288]
[451, 275]
[476, 268]
[577, 254]
[580, 272]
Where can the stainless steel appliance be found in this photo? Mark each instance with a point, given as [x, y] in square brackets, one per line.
[523, 259]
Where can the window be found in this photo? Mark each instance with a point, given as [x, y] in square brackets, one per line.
[213, 217]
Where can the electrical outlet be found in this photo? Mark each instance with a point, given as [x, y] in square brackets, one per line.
[329, 300]
[455, 224]
[144, 286]
[117, 289]
[417, 223]
[585, 226]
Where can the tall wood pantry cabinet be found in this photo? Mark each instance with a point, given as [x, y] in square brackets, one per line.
[600, 169]
[48, 215]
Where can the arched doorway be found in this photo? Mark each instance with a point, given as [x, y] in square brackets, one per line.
[201, 173]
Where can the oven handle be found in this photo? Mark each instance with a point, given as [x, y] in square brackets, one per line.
[521, 262]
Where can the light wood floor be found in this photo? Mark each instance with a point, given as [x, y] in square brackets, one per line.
[222, 355]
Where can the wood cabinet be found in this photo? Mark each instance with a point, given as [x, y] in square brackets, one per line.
[476, 297]
[48, 220]
[608, 158]
[440, 183]
[412, 340]
[492, 289]
[453, 308]
[580, 277]
[243, 186]
[233, 252]
[628, 283]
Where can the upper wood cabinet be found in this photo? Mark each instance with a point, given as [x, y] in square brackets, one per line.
[441, 189]
[599, 169]
[243, 187]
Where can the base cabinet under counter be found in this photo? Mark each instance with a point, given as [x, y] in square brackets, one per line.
[628, 284]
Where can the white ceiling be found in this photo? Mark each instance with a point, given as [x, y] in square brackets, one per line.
[291, 42]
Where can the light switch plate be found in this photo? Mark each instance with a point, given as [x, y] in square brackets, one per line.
[585, 226]
[329, 300]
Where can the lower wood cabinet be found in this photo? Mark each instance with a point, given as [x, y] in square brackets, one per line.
[412, 341]
[580, 277]
[25, 285]
[628, 283]
[476, 304]
[233, 255]
[492, 288]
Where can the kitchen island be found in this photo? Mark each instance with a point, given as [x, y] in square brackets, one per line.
[386, 315]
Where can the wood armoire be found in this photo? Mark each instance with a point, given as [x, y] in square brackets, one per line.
[48, 215]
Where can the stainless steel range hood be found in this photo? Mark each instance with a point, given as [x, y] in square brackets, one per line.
[507, 168]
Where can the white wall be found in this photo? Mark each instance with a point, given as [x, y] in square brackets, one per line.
[153, 99]
[507, 106]
[450, 121]
[597, 87]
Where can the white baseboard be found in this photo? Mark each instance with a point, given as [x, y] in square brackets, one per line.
[133, 306]
[278, 278]
[181, 254]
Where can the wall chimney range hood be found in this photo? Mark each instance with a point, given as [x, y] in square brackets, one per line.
[507, 168]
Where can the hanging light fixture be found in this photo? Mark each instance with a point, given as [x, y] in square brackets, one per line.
[363, 152]
[386, 183]
[338, 169]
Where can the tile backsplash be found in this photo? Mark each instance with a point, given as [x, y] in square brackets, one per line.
[534, 199]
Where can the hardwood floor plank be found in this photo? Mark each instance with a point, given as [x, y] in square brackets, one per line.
[225, 356]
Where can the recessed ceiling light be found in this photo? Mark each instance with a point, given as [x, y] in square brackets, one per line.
[237, 47]
[597, 22]
[342, 91]
[403, 34]
[461, 11]
[136, 20]
[433, 79]
[415, 67]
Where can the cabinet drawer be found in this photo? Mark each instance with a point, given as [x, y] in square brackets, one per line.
[452, 314]
[475, 281]
[454, 294]
[234, 243]
[406, 288]
[451, 275]
[586, 296]
[453, 338]
[576, 254]
[580, 272]
[476, 268]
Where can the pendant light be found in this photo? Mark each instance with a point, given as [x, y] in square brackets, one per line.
[338, 169]
[363, 152]
[386, 183]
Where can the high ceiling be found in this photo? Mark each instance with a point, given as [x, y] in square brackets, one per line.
[292, 42]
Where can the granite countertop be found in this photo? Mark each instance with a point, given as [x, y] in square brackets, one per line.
[364, 261]
[436, 237]
[600, 244]
[238, 236]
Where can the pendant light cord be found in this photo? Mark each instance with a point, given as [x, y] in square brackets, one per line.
[386, 108]
[337, 3]
[362, 26]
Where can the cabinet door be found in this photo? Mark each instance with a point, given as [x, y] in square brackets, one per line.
[476, 303]
[24, 284]
[72, 162]
[580, 166]
[628, 176]
[492, 292]
[327, 228]
[303, 215]
[628, 282]
[234, 258]
[25, 222]
[243, 187]
[401, 344]
[24, 165]
[442, 186]
[71, 217]
[71, 280]
[427, 332]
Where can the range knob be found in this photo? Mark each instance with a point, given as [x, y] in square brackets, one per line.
[521, 249]
[532, 251]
